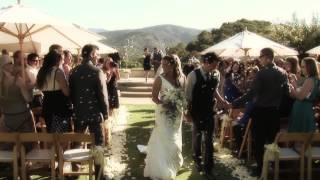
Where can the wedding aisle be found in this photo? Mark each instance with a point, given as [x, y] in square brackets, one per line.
[115, 166]
[140, 121]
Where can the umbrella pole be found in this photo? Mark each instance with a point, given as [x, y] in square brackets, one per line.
[22, 63]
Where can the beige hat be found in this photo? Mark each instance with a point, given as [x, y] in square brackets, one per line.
[5, 59]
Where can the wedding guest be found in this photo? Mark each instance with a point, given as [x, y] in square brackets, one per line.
[67, 63]
[234, 82]
[146, 63]
[15, 95]
[156, 59]
[267, 89]
[201, 91]
[302, 117]
[56, 105]
[89, 96]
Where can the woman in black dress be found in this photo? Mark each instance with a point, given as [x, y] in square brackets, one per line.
[111, 70]
[146, 63]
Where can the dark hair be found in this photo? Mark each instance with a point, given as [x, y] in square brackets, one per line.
[51, 59]
[4, 52]
[210, 58]
[311, 66]
[268, 52]
[176, 69]
[101, 60]
[294, 64]
[55, 47]
[16, 54]
[32, 56]
[66, 52]
[87, 49]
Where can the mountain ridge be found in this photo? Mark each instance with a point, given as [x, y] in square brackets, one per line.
[131, 42]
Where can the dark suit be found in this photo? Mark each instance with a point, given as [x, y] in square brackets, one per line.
[90, 99]
[202, 112]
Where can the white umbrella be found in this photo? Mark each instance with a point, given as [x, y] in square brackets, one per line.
[247, 43]
[20, 24]
[104, 49]
[315, 50]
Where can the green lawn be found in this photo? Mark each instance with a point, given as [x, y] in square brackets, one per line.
[140, 124]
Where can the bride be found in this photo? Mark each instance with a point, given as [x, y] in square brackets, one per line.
[164, 156]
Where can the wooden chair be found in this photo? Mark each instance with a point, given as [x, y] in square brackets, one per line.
[36, 154]
[10, 156]
[246, 141]
[313, 153]
[75, 155]
[289, 153]
[227, 128]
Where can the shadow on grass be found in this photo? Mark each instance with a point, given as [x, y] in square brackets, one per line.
[145, 111]
[142, 124]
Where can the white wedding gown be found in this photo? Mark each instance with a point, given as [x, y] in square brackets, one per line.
[164, 157]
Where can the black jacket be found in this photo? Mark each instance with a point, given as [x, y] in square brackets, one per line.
[88, 91]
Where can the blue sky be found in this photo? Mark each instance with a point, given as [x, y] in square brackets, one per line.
[200, 14]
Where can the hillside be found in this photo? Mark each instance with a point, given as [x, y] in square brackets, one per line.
[160, 36]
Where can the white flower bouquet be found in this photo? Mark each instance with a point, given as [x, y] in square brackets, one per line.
[174, 102]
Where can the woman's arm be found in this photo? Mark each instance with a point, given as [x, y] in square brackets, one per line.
[305, 90]
[61, 79]
[155, 91]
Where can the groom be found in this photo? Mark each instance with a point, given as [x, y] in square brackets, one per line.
[201, 91]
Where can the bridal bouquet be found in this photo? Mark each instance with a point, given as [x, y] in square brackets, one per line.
[174, 102]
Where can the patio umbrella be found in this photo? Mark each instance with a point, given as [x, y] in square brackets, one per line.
[20, 24]
[247, 43]
[315, 50]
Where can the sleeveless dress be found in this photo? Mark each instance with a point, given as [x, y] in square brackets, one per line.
[164, 149]
[56, 107]
[302, 115]
[113, 93]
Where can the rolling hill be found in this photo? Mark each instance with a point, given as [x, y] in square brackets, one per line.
[161, 36]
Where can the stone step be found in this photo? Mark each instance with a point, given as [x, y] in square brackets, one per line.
[135, 88]
[135, 94]
[134, 84]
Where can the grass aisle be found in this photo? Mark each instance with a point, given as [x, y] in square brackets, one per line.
[140, 123]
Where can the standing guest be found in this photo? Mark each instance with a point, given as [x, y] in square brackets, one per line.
[146, 63]
[233, 82]
[302, 117]
[67, 63]
[292, 68]
[100, 63]
[89, 96]
[32, 70]
[156, 59]
[4, 52]
[56, 105]
[267, 89]
[193, 63]
[201, 91]
[112, 71]
[15, 94]
[56, 47]
[18, 58]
